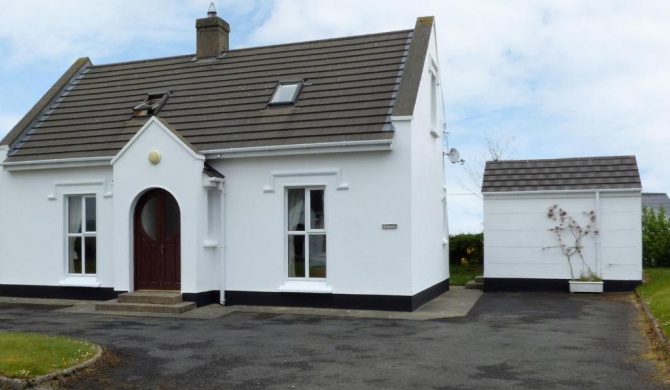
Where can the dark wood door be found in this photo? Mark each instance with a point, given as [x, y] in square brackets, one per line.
[157, 242]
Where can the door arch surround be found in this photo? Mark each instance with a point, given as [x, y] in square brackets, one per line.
[157, 241]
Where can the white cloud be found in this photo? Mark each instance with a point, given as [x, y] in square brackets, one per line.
[44, 31]
[299, 20]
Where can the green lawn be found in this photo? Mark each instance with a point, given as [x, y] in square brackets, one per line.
[27, 355]
[656, 293]
[461, 274]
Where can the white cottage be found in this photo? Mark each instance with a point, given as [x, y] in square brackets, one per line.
[520, 250]
[301, 174]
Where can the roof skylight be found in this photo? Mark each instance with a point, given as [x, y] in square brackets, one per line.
[286, 93]
[151, 104]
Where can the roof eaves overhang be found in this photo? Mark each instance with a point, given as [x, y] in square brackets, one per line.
[56, 163]
[564, 191]
[297, 149]
[256, 151]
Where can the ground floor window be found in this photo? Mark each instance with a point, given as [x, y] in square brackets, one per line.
[81, 234]
[306, 233]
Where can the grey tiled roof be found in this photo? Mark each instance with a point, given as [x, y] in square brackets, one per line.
[616, 172]
[351, 88]
[656, 200]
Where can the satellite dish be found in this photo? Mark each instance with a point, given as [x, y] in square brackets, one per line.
[454, 155]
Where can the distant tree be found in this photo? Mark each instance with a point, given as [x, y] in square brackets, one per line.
[655, 237]
[466, 249]
[498, 148]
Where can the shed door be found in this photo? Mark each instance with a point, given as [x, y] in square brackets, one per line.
[157, 242]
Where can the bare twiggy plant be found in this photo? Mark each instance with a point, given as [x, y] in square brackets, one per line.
[570, 235]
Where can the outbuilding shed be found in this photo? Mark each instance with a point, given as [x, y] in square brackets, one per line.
[524, 201]
[656, 200]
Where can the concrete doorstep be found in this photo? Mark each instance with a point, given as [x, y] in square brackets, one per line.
[477, 283]
[169, 302]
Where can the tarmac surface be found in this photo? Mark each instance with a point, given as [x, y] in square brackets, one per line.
[506, 341]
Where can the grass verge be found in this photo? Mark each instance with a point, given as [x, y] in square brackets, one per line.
[27, 355]
[656, 294]
[461, 274]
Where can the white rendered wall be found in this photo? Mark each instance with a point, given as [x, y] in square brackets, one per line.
[363, 191]
[33, 225]
[180, 173]
[621, 236]
[430, 250]
[516, 229]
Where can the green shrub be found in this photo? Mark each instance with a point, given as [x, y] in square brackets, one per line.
[655, 238]
[466, 249]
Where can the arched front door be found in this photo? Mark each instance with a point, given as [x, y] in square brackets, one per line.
[157, 242]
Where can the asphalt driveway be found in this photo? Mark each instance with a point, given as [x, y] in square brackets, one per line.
[507, 341]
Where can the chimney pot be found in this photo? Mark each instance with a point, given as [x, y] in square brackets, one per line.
[211, 35]
[211, 11]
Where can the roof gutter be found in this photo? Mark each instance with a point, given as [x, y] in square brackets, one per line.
[56, 163]
[322, 147]
[581, 191]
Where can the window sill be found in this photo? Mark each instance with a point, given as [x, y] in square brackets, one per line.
[306, 286]
[79, 281]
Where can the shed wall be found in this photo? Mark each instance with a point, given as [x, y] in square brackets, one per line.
[518, 243]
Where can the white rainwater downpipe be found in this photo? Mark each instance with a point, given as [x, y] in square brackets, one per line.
[222, 245]
[598, 273]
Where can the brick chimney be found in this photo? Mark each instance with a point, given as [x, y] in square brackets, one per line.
[212, 35]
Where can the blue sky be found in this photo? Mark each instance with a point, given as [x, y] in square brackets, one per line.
[568, 78]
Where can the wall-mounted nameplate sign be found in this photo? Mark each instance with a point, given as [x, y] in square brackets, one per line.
[389, 226]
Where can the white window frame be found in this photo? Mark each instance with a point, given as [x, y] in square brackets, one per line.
[330, 179]
[83, 234]
[434, 79]
[99, 188]
[307, 233]
[285, 84]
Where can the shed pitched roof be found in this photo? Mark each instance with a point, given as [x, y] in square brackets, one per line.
[350, 89]
[618, 172]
